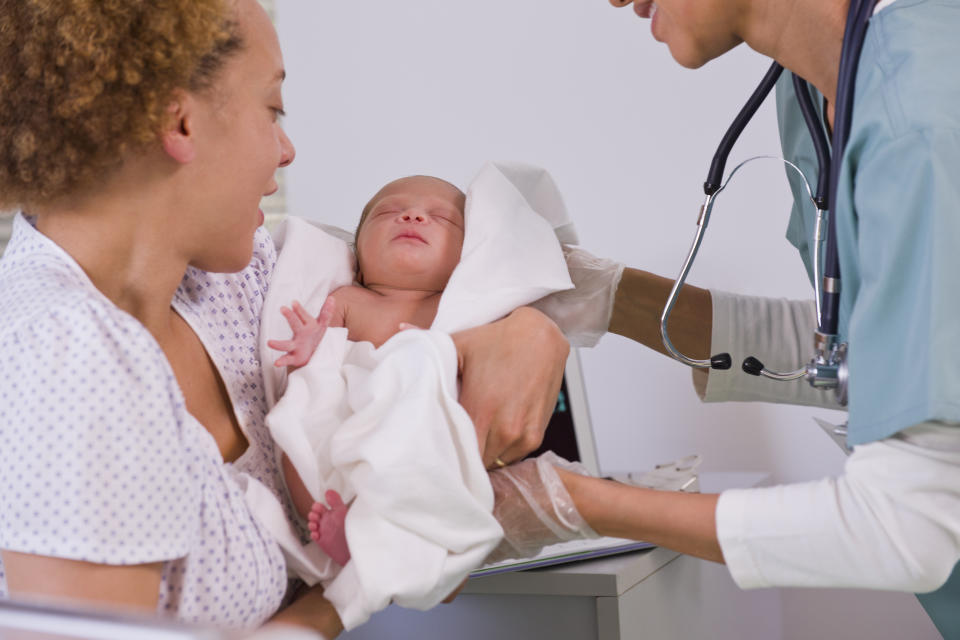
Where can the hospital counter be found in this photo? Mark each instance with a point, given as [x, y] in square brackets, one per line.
[654, 594]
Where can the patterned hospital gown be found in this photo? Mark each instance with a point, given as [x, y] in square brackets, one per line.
[99, 459]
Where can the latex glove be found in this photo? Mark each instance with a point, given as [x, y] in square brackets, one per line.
[534, 508]
[583, 313]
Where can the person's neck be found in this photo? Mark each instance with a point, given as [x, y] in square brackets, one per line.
[403, 293]
[805, 36]
[121, 237]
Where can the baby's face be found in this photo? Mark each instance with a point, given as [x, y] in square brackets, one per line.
[412, 235]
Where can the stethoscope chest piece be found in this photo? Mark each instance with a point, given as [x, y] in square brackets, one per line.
[828, 368]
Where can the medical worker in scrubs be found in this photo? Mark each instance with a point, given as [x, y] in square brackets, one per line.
[892, 521]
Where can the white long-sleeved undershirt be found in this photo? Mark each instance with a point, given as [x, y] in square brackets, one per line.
[891, 521]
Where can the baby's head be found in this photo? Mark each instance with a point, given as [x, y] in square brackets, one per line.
[410, 234]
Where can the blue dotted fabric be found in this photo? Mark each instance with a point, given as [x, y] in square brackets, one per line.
[99, 459]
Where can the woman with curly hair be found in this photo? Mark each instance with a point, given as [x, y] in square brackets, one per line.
[137, 140]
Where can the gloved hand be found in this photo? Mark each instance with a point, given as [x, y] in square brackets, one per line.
[534, 508]
[583, 313]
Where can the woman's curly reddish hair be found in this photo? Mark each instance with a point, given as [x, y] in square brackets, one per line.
[84, 82]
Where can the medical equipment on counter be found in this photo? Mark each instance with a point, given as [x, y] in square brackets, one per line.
[828, 368]
[677, 475]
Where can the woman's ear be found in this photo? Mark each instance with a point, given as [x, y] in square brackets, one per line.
[178, 136]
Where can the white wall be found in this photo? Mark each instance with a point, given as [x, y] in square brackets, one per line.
[378, 89]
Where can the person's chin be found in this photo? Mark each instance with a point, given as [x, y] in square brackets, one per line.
[688, 58]
[224, 267]
[237, 260]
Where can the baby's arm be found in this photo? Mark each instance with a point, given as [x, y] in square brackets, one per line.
[307, 332]
[327, 527]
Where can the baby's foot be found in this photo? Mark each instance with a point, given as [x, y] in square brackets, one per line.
[327, 527]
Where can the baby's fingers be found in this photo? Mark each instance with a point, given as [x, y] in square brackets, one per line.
[302, 314]
[289, 360]
[292, 318]
[282, 345]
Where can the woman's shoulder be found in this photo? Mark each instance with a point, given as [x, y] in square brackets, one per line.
[63, 343]
[42, 287]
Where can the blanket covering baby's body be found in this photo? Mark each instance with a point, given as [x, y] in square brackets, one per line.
[383, 426]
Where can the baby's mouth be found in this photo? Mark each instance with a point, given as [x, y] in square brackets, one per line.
[412, 235]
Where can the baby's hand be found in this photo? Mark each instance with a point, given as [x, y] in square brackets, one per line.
[307, 333]
[327, 527]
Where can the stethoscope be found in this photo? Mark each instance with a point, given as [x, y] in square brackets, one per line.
[828, 367]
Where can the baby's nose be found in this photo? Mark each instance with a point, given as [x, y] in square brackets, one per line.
[413, 216]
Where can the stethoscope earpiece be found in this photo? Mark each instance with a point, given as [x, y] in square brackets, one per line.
[720, 361]
[752, 366]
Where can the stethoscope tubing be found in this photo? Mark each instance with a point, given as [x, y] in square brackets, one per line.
[715, 175]
[722, 360]
[858, 18]
[828, 367]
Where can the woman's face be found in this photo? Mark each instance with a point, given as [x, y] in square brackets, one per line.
[412, 235]
[696, 31]
[239, 145]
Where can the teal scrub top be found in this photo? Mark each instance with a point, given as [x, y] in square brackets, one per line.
[898, 219]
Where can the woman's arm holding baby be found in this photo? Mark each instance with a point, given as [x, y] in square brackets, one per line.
[311, 610]
[131, 587]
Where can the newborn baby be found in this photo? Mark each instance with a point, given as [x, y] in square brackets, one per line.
[408, 242]
[374, 412]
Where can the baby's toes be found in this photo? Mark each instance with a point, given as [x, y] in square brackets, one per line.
[317, 511]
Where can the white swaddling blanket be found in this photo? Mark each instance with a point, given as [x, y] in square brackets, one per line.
[383, 426]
